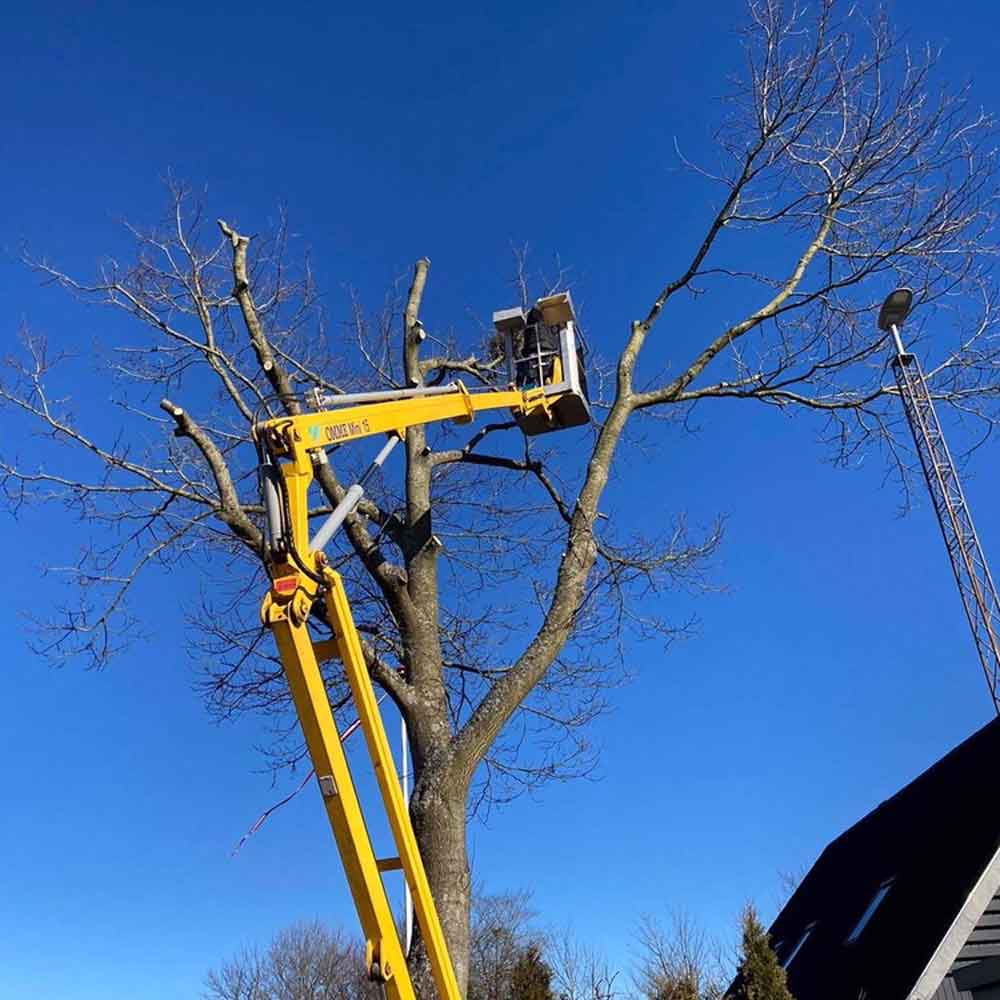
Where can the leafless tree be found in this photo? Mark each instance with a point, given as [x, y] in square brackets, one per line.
[788, 883]
[678, 962]
[580, 971]
[494, 575]
[502, 927]
[306, 961]
[239, 978]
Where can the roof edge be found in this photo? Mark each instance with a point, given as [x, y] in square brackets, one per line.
[927, 771]
[958, 933]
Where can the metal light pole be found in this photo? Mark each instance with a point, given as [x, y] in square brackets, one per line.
[972, 573]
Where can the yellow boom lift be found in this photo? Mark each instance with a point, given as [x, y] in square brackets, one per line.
[546, 391]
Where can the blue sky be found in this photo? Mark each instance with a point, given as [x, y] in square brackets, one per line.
[835, 667]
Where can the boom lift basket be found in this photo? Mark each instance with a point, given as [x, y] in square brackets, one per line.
[545, 350]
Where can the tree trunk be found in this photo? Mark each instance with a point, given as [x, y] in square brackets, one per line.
[437, 810]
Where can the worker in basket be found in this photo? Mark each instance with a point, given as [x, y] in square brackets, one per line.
[539, 353]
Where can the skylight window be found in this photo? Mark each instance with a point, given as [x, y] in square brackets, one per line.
[798, 946]
[880, 894]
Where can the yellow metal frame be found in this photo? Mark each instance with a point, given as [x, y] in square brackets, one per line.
[287, 615]
[293, 438]
[286, 609]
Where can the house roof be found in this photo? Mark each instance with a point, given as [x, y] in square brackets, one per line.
[937, 839]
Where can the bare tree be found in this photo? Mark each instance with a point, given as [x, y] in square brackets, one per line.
[678, 962]
[491, 585]
[240, 978]
[505, 927]
[501, 929]
[306, 961]
[580, 972]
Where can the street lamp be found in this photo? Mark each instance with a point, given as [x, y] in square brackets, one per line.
[893, 313]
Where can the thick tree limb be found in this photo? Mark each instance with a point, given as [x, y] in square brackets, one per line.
[230, 511]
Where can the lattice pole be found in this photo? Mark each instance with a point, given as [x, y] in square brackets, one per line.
[972, 573]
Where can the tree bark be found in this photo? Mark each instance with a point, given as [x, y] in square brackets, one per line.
[438, 813]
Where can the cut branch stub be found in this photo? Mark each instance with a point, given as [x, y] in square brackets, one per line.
[273, 370]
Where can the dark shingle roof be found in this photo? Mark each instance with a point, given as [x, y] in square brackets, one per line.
[935, 837]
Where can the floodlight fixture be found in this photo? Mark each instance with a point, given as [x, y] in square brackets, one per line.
[895, 309]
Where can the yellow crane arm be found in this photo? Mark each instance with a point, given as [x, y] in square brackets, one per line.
[290, 444]
[334, 426]
[548, 391]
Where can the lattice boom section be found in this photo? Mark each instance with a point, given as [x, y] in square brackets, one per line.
[975, 584]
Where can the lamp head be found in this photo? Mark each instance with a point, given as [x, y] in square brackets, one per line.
[895, 309]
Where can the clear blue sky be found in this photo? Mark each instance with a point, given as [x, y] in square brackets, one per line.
[835, 668]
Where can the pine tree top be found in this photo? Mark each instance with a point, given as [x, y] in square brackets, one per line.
[531, 977]
[761, 976]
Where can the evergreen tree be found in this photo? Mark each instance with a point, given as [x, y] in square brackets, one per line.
[761, 976]
[531, 978]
